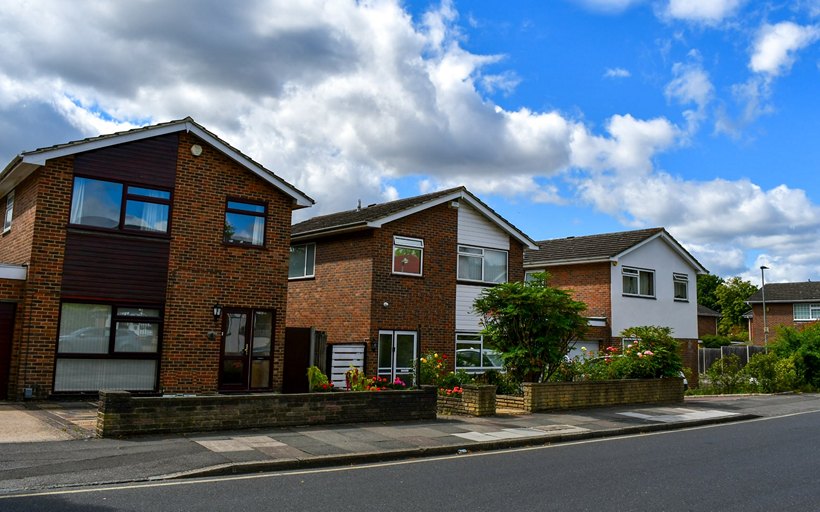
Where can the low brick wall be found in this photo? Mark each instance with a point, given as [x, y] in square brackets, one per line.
[475, 400]
[551, 396]
[121, 414]
[509, 402]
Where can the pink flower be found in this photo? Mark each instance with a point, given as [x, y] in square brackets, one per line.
[648, 353]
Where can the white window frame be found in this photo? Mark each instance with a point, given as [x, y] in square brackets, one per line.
[414, 244]
[7, 219]
[636, 273]
[470, 337]
[464, 251]
[809, 312]
[680, 279]
[304, 274]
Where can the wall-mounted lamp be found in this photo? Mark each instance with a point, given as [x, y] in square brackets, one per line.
[374, 345]
[386, 304]
[217, 311]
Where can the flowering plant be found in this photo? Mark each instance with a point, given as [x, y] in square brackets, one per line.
[454, 391]
[379, 383]
[432, 368]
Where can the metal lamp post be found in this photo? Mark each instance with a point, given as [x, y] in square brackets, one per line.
[763, 268]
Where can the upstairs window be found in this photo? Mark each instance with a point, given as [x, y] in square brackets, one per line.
[806, 312]
[9, 212]
[408, 255]
[245, 223]
[484, 265]
[302, 261]
[112, 205]
[638, 282]
[681, 284]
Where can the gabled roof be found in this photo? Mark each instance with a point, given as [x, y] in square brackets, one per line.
[25, 163]
[377, 215]
[704, 311]
[808, 291]
[600, 248]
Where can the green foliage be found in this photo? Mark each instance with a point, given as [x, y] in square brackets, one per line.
[505, 383]
[665, 361]
[707, 287]
[731, 296]
[432, 368]
[356, 380]
[715, 341]
[317, 381]
[769, 373]
[804, 346]
[532, 325]
[727, 375]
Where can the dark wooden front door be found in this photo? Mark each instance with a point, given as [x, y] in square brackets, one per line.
[247, 343]
[297, 359]
[7, 310]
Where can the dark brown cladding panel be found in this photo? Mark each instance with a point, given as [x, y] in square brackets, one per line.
[115, 267]
[150, 162]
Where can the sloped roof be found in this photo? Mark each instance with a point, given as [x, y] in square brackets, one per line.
[599, 248]
[704, 311]
[808, 291]
[376, 215]
[25, 163]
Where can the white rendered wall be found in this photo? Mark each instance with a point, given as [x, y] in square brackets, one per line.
[663, 310]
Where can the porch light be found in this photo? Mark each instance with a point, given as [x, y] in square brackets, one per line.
[217, 311]
[374, 344]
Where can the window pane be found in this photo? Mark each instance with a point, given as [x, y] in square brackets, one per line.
[468, 355]
[262, 333]
[469, 267]
[492, 359]
[405, 350]
[260, 373]
[246, 207]
[149, 192]
[96, 374]
[84, 329]
[142, 312]
[244, 229]
[407, 261]
[647, 283]
[301, 260]
[146, 216]
[310, 259]
[630, 284]
[801, 311]
[681, 291]
[385, 352]
[235, 334]
[495, 266]
[96, 203]
[9, 211]
[470, 250]
[136, 337]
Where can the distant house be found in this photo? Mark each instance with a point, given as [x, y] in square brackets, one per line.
[627, 279]
[151, 260]
[393, 280]
[708, 320]
[787, 304]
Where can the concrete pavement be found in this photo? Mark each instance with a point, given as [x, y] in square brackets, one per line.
[51, 444]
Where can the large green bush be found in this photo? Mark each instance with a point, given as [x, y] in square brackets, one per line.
[804, 347]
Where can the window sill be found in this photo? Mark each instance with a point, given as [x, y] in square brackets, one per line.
[244, 246]
[79, 228]
[403, 274]
[302, 278]
[476, 283]
[682, 300]
[650, 297]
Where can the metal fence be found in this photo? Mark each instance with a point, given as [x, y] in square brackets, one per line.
[707, 356]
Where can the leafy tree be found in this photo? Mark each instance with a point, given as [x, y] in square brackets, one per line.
[531, 324]
[804, 347]
[732, 295]
[666, 359]
[707, 288]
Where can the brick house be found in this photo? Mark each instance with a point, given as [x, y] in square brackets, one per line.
[627, 279]
[787, 305]
[127, 256]
[708, 320]
[391, 281]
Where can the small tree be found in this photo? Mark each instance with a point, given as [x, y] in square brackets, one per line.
[531, 324]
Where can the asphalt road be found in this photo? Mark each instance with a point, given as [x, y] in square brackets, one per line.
[768, 464]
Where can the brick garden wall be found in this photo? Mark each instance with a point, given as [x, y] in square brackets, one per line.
[574, 395]
[121, 414]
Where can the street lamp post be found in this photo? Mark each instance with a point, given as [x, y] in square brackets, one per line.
[763, 268]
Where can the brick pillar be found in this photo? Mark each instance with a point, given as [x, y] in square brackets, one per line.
[479, 400]
[112, 405]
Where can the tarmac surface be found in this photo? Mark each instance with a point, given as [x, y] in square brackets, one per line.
[48, 445]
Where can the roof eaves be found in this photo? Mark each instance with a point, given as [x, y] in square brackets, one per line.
[333, 230]
[572, 261]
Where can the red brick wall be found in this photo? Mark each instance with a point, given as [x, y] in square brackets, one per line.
[589, 283]
[33, 352]
[15, 246]
[777, 315]
[202, 270]
[707, 325]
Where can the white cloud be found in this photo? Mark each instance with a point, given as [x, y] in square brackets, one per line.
[691, 85]
[702, 11]
[617, 73]
[774, 50]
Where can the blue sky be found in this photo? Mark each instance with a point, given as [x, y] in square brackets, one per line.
[569, 117]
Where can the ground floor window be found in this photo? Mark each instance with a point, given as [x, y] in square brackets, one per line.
[473, 356]
[107, 346]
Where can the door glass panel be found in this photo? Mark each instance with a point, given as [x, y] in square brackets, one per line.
[385, 353]
[260, 373]
[235, 334]
[262, 330]
[232, 372]
[405, 350]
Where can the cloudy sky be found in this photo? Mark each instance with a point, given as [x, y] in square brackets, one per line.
[569, 117]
